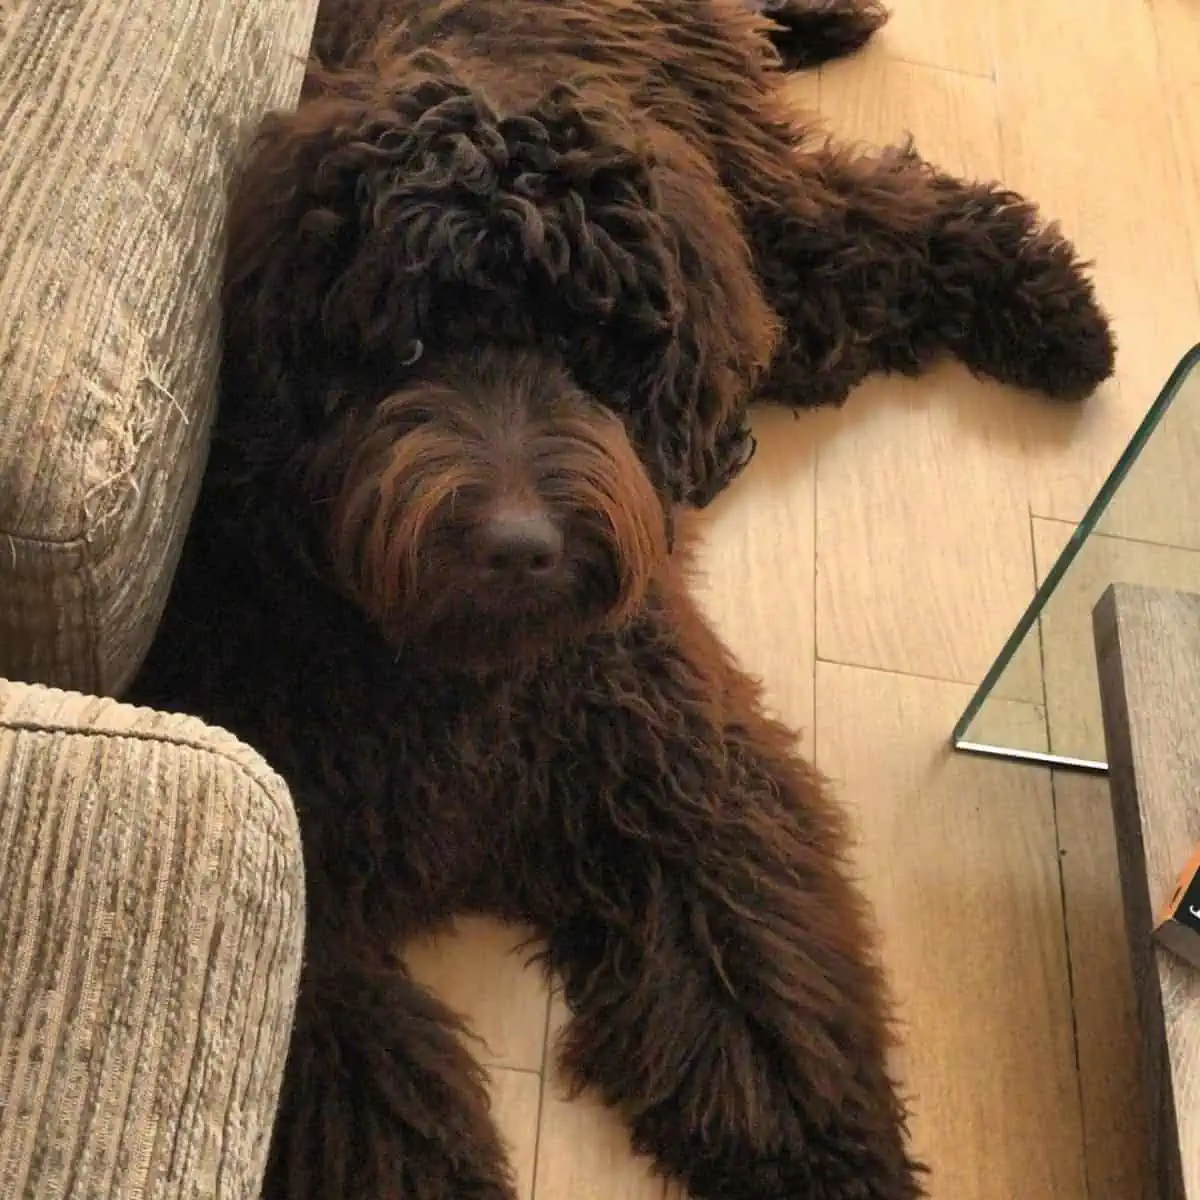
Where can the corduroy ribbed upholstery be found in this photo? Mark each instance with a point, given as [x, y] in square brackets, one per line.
[151, 926]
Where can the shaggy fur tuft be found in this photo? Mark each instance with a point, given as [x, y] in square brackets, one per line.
[499, 293]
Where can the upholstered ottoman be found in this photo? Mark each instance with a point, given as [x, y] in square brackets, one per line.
[151, 930]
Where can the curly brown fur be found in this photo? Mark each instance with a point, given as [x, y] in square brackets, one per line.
[625, 182]
[565, 744]
[498, 294]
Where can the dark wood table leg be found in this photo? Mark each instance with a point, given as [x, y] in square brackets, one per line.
[1148, 652]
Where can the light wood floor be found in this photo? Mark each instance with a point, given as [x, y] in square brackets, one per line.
[869, 567]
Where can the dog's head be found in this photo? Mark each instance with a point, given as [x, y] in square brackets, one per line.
[481, 358]
[485, 508]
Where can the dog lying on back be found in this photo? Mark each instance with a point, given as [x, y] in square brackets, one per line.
[499, 294]
[623, 186]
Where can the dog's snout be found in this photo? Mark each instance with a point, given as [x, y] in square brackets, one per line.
[519, 542]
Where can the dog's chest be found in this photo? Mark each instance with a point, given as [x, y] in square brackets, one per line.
[516, 743]
[484, 739]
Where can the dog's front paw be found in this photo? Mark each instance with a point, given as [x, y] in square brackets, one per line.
[780, 1182]
[818, 1168]
[1046, 330]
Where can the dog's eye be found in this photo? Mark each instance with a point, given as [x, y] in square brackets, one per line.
[415, 349]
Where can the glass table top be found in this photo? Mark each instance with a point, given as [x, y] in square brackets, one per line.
[1040, 701]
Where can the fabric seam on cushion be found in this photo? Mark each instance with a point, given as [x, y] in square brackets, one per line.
[256, 777]
[39, 540]
[83, 544]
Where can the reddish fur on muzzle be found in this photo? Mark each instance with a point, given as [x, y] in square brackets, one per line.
[424, 476]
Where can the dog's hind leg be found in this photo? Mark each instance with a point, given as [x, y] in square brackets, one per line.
[874, 261]
[811, 32]
[381, 1100]
[883, 263]
[716, 959]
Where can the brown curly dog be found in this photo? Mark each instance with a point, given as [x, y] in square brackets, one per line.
[499, 293]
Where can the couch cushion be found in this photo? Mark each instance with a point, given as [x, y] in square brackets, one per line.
[119, 123]
[151, 937]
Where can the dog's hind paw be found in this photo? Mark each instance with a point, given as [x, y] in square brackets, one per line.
[811, 32]
[730, 457]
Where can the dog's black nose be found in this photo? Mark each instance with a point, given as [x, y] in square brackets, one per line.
[520, 542]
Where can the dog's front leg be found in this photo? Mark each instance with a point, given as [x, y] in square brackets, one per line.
[717, 961]
[381, 1099]
[879, 262]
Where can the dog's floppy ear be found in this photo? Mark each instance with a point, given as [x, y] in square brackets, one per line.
[663, 316]
[297, 219]
[689, 405]
[668, 322]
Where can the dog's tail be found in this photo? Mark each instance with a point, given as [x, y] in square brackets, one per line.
[810, 32]
[381, 1098]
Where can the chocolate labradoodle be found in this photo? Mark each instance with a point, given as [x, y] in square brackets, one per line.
[498, 295]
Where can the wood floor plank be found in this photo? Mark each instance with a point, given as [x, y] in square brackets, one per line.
[516, 1101]
[583, 1149]
[960, 860]
[1159, 498]
[953, 117]
[924, 562]
[477, 970]
[940, 33]
[804, 90]
[1087, 134]
[1178, 25]
[755, 566]
[1115, 1125]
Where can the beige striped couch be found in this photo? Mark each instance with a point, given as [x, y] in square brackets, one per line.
[151, 888]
